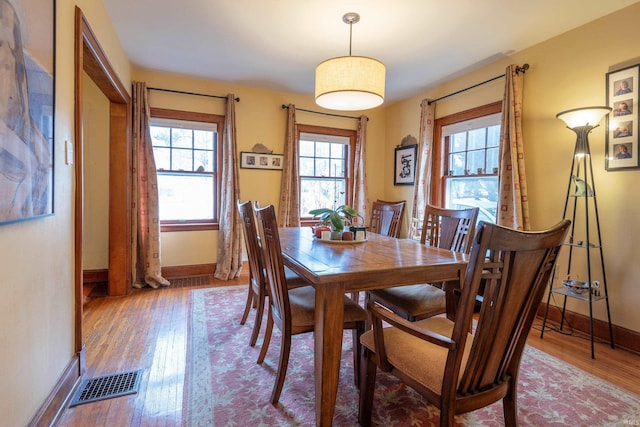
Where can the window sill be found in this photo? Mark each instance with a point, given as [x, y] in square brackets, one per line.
[189, 226]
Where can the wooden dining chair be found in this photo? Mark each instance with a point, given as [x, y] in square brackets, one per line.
[443, 228]
[293, 310]
[258, 291]
[386, 217]
[455, 368]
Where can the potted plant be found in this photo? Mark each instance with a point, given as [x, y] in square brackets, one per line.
[335, 217]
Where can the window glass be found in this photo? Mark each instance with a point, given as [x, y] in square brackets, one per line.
[185, 153]
[472, 165]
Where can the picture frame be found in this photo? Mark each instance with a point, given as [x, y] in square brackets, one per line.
[250, 160]
[26, 181]
[404, 167]
[621, 147]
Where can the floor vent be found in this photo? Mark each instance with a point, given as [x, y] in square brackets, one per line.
[106, 387]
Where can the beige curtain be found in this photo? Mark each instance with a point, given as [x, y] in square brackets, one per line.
[512, 191]
[360, 202]
[424, 164]
[229, 264]
[289, 209]
[145, 216]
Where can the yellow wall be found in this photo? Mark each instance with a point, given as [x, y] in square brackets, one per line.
[36, 308]
[95, 238]
[566, 72]
[259, 119]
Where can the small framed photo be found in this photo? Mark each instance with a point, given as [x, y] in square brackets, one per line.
[404, 169]
[249, 160]
[622, 123]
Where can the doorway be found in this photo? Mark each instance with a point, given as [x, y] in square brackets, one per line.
[91, 59]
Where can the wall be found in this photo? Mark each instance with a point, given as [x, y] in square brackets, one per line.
[36, 272]
[259, 119]
[566, 72]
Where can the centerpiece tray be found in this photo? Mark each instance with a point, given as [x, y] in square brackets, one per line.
[340, 242]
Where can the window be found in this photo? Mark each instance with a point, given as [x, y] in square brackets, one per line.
[325, 158]
[471, 149]
[185, 148]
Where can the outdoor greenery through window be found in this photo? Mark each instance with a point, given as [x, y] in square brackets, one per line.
[186, 156]
[324, 165]
[472, 158]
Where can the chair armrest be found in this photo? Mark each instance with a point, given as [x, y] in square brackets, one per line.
[380, 314]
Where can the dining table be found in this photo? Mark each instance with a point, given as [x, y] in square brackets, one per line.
[337, 267]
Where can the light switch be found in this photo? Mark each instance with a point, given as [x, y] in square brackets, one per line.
[68, 152]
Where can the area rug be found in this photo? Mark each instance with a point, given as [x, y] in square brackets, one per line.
[225, 387]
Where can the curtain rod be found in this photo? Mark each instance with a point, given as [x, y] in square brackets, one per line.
[286, 107]
[519, 69]
[190, 93]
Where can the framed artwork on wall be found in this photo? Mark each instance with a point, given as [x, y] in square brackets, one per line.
[404, 168]
[622, 123]
[26, 109]
[249, 160]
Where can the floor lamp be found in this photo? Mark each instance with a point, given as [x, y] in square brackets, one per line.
[581, 189]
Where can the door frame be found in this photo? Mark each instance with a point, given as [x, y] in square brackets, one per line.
[90, 58]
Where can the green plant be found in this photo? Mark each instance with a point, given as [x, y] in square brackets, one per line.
[335, 216]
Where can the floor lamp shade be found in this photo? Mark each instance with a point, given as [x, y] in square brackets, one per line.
[350, 83]
[587, 116]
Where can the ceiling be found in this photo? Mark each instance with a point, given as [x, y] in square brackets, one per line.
[277, 44]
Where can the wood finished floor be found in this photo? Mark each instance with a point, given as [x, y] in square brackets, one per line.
[148, 330]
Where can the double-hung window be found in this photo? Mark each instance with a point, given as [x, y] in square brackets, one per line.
[471, 151]
[185, 149]
[325, 158]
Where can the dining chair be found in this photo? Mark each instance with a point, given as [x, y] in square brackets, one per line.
[258, 291]
[443, 228]
[455, 367]
[386, 217]
[293, 310]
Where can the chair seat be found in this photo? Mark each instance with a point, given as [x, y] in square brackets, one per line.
[408, 353]
[417, 301]
[303, 301]
[293, 280]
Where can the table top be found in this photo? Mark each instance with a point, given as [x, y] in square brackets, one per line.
[379, 262]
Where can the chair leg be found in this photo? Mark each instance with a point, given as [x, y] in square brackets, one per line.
[260, 300]
[357, 349]
[283, 364]
[267, 337]
[368, 370]
[510, 407]
[247, 306]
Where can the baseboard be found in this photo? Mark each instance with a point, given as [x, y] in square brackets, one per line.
[55, 404]
[622, 337]
[100, 277]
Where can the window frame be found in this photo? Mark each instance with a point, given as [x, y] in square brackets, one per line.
[441, 153]
[196, 225]
[307, 221]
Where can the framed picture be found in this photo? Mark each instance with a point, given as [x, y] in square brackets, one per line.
[249, 160]
[622, 123]
[26, 124]
[404, 168]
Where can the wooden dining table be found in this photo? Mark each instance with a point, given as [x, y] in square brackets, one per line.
[336, 268]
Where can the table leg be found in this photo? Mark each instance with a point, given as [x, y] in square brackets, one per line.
[328, 349]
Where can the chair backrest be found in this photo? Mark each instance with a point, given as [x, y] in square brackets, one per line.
[386, 217]
[274, 265]
[252, 244]
[451, 229]
[516, 267]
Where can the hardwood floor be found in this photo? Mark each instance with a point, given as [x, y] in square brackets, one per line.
[148, 330]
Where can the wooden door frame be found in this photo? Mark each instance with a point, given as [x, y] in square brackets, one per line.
[90, 58]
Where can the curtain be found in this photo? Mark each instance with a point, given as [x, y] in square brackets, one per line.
[289, 209]
[145, 210]
[512, 189]
[229, 264]
[424, 162]
[360, 202]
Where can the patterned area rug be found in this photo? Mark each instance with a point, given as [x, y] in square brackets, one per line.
[225, 387]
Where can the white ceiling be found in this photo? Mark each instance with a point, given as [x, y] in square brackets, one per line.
[277, 44]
